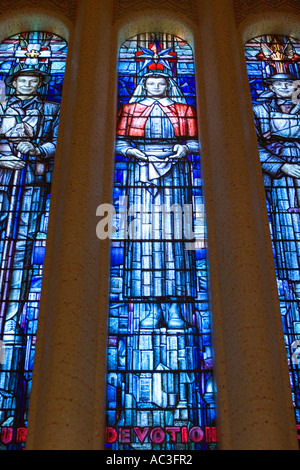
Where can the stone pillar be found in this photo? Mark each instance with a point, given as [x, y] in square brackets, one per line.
[68, 396]
[254, 397]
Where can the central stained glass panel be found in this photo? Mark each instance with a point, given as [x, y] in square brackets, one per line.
[160, 387]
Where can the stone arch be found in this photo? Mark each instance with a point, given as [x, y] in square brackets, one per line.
[140, 22]
[255, 25]
[34, 19]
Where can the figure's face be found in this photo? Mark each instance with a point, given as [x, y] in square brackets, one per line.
[283, 89]
[27, 85]
[156, 87]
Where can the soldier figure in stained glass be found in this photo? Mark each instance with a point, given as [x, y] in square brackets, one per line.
[278, 127]
[157, 130]
[28, 128]
[32, 67]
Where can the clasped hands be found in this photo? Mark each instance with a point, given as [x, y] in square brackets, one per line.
[13, 162]
[180, 151]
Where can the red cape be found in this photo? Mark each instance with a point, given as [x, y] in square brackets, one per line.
[132, 119]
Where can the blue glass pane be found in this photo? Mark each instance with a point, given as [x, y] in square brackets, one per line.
[273, 64]
[31, 80]
[160, 390]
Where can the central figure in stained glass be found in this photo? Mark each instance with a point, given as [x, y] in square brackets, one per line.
[157, 133]
[159, 385]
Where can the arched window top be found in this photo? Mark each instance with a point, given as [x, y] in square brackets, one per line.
[269, 55]
[175, 24]
[159, 53]
[284, 23]
[34, 49]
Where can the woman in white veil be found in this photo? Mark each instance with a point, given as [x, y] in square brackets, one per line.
[173, 92]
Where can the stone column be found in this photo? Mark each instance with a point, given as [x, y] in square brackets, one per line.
[254, 397]
[68, 396]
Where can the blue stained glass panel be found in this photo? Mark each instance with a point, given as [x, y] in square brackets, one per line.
[273, 64]
[32, 66]
[160, 386]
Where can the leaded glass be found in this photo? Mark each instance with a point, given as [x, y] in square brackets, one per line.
[160, 388]
[273, 64]
[32, 66]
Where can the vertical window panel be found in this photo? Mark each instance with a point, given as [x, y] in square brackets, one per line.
[160, 389]
[32, 66]
[273, 64]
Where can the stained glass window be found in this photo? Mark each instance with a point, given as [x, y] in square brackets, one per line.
[32, 66]
[273, 64]
[160, 388]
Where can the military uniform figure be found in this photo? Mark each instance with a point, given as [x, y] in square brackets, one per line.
[278, 129]
[28, 136]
